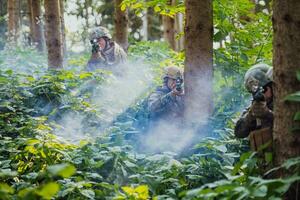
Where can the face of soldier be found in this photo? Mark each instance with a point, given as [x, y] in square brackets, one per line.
[171, 83]
[268, 94]
[102, 43]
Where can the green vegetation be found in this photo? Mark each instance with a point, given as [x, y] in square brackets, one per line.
[98, 155]
[35, 164]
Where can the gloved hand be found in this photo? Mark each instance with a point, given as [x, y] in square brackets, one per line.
[260, 110]
[175, 92]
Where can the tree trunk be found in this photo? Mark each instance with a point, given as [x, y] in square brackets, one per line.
[63, 33]
[149, 23]
[3, 26]
[30, 21]
[38, 37]
[121, 25]
[179, 43]
[169, 26]
[286, 62]
[13, 20]
[198, 62]
[145, 26]
[53, 32]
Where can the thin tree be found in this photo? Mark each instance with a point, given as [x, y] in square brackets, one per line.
[38, 36]
[3, 26]
[30, 20]
[286, 61]
[198, 63]
[13, 20]
[63, 32]
[121, 25]
[53, 34]
[169, 28]
[179, 28]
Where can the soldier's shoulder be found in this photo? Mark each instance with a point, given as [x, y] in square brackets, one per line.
[157, 92]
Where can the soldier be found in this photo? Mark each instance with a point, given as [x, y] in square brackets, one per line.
[106, 53]
[167, 101]
[257, 120]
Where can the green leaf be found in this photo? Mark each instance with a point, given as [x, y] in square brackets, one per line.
[157, 9]
[293, 97]
[6, 189]
[261, 191]
[9, 72]
[7, 173]
[221, 148]
[291, 162]
[64, 170]
[123, 7]
[3, 80]
[48, 190]
[244, 57]
[268, 157]
[85, 75]
[88, 193]
[218, 36]
[297, 116]
[298, 75]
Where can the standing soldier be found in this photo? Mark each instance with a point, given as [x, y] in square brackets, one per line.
[166, 103]
[257, 120]
[106, 54]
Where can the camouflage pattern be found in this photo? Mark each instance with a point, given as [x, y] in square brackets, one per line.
[162, 105]
[260, 114]
[249, 122]
[173, 72]
[258, 76]
[108, 58]
[99, 32]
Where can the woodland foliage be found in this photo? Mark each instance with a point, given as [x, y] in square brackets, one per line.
[106, 163]
[37, 164]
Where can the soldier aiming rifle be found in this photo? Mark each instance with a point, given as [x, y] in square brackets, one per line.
[257, 120]
[106, 54]
[166, 103]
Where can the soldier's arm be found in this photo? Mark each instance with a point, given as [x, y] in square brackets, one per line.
[245, 125]
[159, 102]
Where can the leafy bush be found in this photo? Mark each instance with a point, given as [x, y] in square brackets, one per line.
[37, 164]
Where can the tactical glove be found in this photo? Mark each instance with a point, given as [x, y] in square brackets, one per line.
[260, 110]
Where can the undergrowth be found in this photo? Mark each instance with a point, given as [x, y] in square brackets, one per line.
[38, 162]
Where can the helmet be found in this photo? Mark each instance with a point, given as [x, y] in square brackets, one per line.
[99, 32]
[270, 73]
[258, 75]
[173, 72]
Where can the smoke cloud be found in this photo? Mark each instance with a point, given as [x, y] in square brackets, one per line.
[118, 92]
[166, 136]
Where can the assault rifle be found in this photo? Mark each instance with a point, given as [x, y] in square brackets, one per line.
[179, 82]
[258, 94]
[95, 45]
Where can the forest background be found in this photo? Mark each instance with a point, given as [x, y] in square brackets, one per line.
[62, 139]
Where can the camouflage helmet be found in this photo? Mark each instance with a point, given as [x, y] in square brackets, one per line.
[270, 73]
[173, 72]
[99, 32]
[258, 75]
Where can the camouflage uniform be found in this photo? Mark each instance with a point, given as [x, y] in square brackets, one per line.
[258, 75]
[162, 104]
[108, 58]
[248, 123]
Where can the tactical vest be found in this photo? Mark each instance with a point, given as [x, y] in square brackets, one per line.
[261, 140]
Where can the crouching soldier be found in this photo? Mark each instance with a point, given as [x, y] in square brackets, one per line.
[165, 107]
[106, 54]
[166, 103]
[257, 120]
